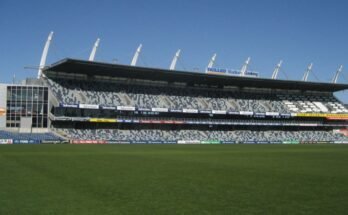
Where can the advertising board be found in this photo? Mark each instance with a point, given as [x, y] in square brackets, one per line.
[126, 108]
[88, 106]
[6, 141]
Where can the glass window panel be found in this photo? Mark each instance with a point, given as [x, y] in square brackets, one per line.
[35, 108]
[19, 93]
[45, 109]
[35, 94]
[14, 94]
[24, 93]
[9, 94]
[46, 94]
[29, 109]
[41, 94]
[30, 94]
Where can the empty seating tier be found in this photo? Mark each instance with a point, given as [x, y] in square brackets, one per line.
[201, 135]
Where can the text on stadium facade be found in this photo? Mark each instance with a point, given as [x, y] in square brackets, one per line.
[222, 71]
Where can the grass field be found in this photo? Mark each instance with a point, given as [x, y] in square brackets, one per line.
[173, 179]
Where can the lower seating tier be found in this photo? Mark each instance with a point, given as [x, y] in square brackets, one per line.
[201, 135]
[36, 137]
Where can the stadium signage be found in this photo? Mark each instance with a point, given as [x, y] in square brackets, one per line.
[262, 142]
[69, 105]
[340, 142]
[6, 141]
[260, 115]
[126, 108]
[210, 142]
[233, 112]
[189, 142]
[221, 71]
[144, 109]
[308, 124]
[15, 142]
[205, 111]
[118, 142]
[159, 109]
[218, 111]
[88, 142]
[189, 110]
[272, 114]
[248, 113]
[337, 118]
[175, 111]
[103, 120]
[169, 142]
[139, 142]
[327, 115]
[88, 106]
[154, 142]
[291, 142]
[21, 141]
[108, 108]
[62, 118]
[205, 122]
[80, 119]
[228, 142]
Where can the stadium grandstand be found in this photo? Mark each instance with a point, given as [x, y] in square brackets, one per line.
[83, 101]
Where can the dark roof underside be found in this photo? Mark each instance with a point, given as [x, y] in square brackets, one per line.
[89, 68]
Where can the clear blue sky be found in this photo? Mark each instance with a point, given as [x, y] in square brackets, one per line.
[296, 31]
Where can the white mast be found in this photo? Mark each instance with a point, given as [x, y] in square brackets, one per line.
[309, 69]
[175, 59]
[276, 70]
[212, 61]
[136, 55]
[44, 55]
[245, 67]
[94, 50]
[334, 80]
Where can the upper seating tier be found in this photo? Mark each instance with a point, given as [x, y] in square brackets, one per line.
[148, 96]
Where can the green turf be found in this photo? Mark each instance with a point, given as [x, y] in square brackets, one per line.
[173, 179]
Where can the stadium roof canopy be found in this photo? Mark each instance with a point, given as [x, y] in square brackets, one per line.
[73, 66]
